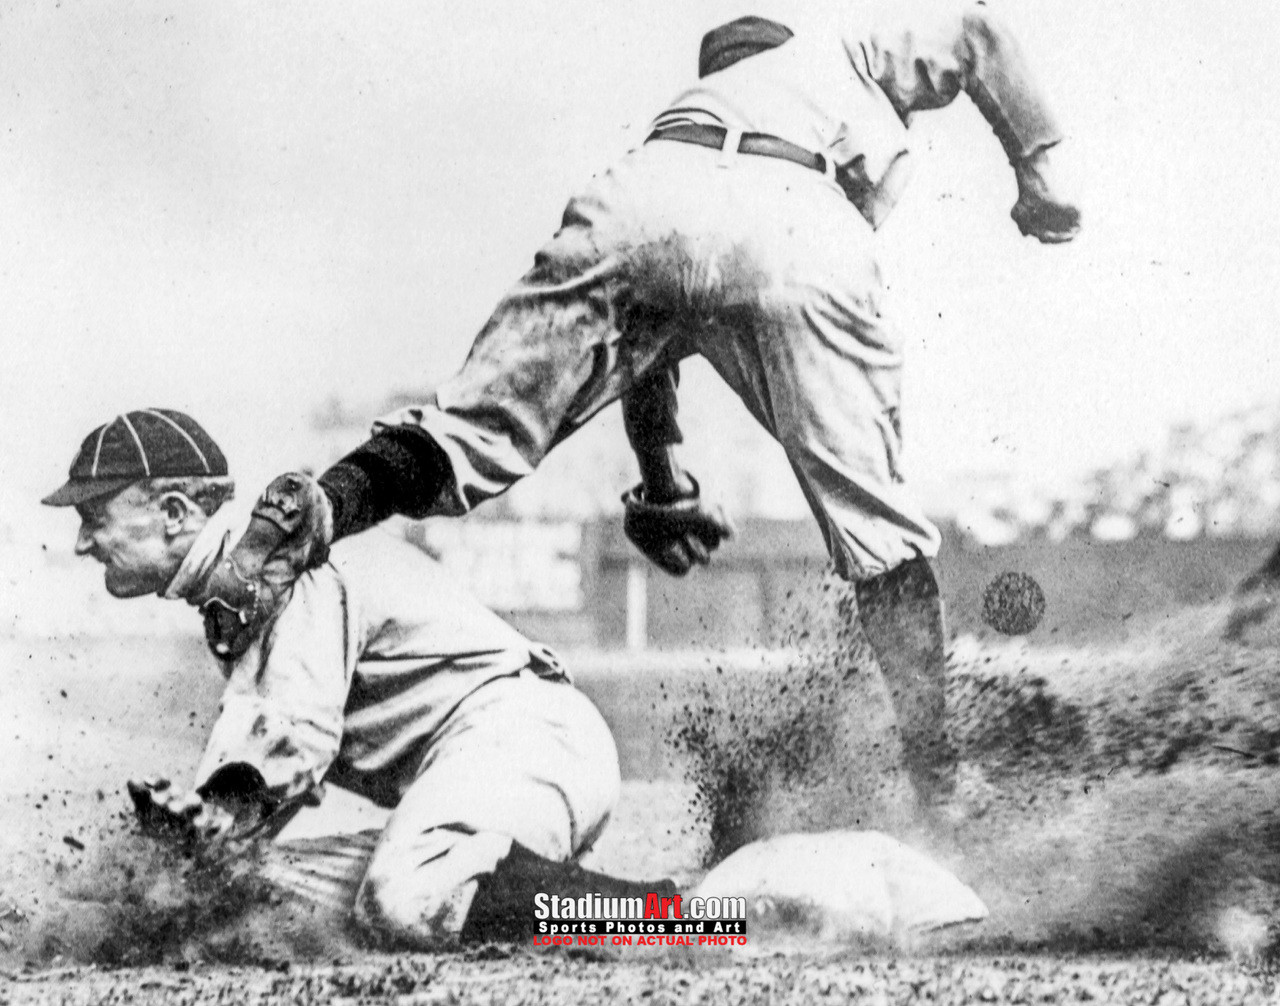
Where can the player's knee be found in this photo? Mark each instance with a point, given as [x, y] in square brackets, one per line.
[419, 896]
[403, 902]
[390, 913]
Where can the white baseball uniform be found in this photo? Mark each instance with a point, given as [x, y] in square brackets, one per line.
[763, 266]
[383, 676]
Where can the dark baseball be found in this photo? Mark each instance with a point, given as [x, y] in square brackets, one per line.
[1013, 604]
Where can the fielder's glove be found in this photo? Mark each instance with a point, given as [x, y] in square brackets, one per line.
[675, 535]
[1043, 211]
[288, 534]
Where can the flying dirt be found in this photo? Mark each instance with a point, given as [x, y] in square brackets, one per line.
[1112, 799]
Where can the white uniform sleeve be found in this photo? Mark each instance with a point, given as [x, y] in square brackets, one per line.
[923, 55]
[282, 711]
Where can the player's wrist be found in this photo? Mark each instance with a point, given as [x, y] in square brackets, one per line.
[667, 493]
[662, 478]
[684, 494]
[1032, 168]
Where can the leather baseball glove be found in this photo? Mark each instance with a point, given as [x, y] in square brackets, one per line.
[675, 536]
[288, 534]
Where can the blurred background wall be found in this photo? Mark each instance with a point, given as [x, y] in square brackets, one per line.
[1178, 524]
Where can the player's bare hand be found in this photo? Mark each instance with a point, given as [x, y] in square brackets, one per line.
[289, 533]
[678, 535]
[163, 808]
[1045, 209]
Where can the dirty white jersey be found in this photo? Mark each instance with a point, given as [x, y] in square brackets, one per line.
[847, 84]
[358, 672]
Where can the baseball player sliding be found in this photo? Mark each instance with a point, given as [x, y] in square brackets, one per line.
[378, 675]
[743, 229]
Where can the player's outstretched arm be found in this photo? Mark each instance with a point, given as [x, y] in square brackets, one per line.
[923, 57]
[665, 516]
[1000, 82]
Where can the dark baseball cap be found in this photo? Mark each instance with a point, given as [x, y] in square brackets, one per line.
[145, 444]
[733, 42]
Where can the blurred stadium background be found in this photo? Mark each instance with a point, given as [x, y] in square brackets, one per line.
[1178, 523]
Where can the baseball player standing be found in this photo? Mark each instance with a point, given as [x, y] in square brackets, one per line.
[378, 675]
[742, 230]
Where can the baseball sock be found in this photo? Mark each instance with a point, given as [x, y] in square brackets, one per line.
[902, 616]
[502, 908]
[400, 470]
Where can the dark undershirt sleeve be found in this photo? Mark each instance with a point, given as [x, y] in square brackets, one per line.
[649, 411]
[400, 470]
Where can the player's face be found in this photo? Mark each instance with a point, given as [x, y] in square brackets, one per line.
[126, 533]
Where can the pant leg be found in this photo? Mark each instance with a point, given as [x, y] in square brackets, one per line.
[809, 348]
[568, 339]
[759, 264]
[813, 354]
[523, 759]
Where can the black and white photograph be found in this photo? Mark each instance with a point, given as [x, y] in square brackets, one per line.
[674, 503]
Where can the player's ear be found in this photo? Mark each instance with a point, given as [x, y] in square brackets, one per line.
[177, 509]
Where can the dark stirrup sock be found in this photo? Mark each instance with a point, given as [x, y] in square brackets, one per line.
[502, 908]
[901, 613]
[401, 470]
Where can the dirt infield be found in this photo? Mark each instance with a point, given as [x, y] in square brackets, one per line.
[1112, 801]
[501, 977]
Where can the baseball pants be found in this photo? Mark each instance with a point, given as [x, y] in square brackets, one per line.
[761, 266]
[522, 758]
